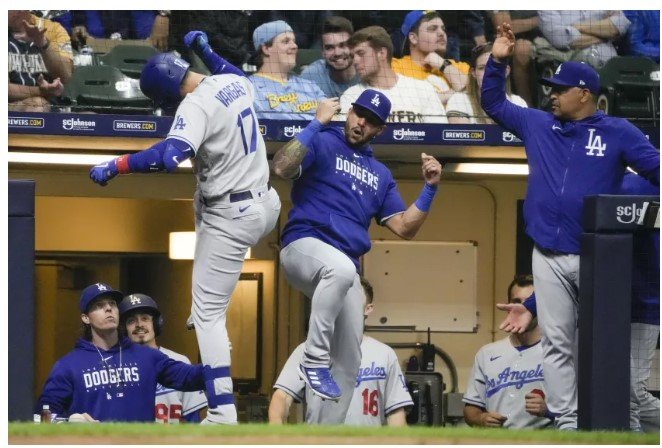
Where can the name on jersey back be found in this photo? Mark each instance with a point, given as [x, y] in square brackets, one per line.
[230, 93]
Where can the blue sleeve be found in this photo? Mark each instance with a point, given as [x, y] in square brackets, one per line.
[475, 23]
[152, 159]
[142, 23]
[638, 34]
[58, 392]
[639, 153]
[179, 375]
[494, 102]
[392, 204]
[215, 63]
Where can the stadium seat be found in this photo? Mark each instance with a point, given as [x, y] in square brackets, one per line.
[102, 88]
[130, 59]
[627, 89]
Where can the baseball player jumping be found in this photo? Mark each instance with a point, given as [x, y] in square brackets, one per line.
[380, 394]
[339, 187]
[234, 204]
[572, 152]
[142, 320]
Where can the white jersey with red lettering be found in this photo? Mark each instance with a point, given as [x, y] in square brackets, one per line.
[172, 406]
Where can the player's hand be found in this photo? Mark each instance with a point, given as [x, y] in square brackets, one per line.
[326, 109]
[518, 318]
[104, 172]
[431, 169]
[196, 41]
[82, 418]
[50, 89]
[535, 403]
[504, 44]
[34, 34]
[434, 60]
[492, 419]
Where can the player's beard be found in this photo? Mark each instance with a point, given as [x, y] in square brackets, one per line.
[354, 140]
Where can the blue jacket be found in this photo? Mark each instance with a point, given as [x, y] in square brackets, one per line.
[643, 38]
[114, 385]
[567, 161]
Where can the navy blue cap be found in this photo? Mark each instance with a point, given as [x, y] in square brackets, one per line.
[95, 291]
[575, 74]
[410, 20]
[375, 102]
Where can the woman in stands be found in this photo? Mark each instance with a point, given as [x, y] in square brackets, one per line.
[464, 107]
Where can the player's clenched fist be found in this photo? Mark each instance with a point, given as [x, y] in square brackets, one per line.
[196, 40]
[326, 109]
[103, 172]
[492, 419]
[431, 169]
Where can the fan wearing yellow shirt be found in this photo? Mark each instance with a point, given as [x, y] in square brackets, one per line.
[424, 48]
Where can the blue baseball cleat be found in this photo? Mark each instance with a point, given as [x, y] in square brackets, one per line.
[320, 381]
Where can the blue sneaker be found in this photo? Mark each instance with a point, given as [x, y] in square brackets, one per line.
[320, 381]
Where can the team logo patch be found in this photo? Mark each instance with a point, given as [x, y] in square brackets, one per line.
[375, 100]
[76, 124]
[461, 135]
[26, 122]
[595, 144]
[134, 126]
[135, 300]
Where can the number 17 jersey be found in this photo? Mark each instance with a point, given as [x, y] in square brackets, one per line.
[218, 121]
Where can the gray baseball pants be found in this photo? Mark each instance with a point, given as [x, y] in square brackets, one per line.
[329, 278]
[556, 283]
[644, 407]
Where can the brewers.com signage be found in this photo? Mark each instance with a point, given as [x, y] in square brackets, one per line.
[102, 125]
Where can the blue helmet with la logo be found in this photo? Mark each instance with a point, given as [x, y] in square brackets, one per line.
[161, 77]
[375, 102]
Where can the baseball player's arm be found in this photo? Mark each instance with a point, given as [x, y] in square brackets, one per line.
[199, 43]
[279, 407]
[57, 393]
[493, 92]
[475, 416]
[407, 224]
[164, 155]
[397, 418]
[179, 375]
[289, 158]
[640, 154]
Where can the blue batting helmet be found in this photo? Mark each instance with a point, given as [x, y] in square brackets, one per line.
[161, 77]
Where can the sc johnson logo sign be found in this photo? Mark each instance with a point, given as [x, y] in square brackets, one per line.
[76, 124]
[408, 135]
[134, 126]
[26, 122]
[291, 131]
[510, 138]
[627, 214]
[460, 135]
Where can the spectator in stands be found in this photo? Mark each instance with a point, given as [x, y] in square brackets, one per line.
[424, 49]
[643, 37]
[585, 35]
[306, 24]
[334, 73]
[492, 402]
[412, 100]
[525, 27]
[463, 26]
[464, 107]
[40, 61]
[279, 95]
[228, 32]
[152, 25]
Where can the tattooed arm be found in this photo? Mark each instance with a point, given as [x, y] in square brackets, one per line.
[288, 158]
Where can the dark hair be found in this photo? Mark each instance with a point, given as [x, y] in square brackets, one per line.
[521, 280]
[406, 46]
[478, 51]
[258, 56]
[86, 331]
[377, 38]
[337, 24]
[367, 287]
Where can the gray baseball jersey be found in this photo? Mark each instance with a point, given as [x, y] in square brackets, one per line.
[234, 208]
[172, 405]
[218, 121]
[500, 378]
[379, 390]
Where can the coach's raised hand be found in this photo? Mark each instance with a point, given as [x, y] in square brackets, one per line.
[431, 169]
[504, 44]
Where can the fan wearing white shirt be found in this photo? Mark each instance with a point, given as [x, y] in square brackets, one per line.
[464, 107]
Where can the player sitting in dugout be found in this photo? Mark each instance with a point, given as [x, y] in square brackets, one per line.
[106, 378]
